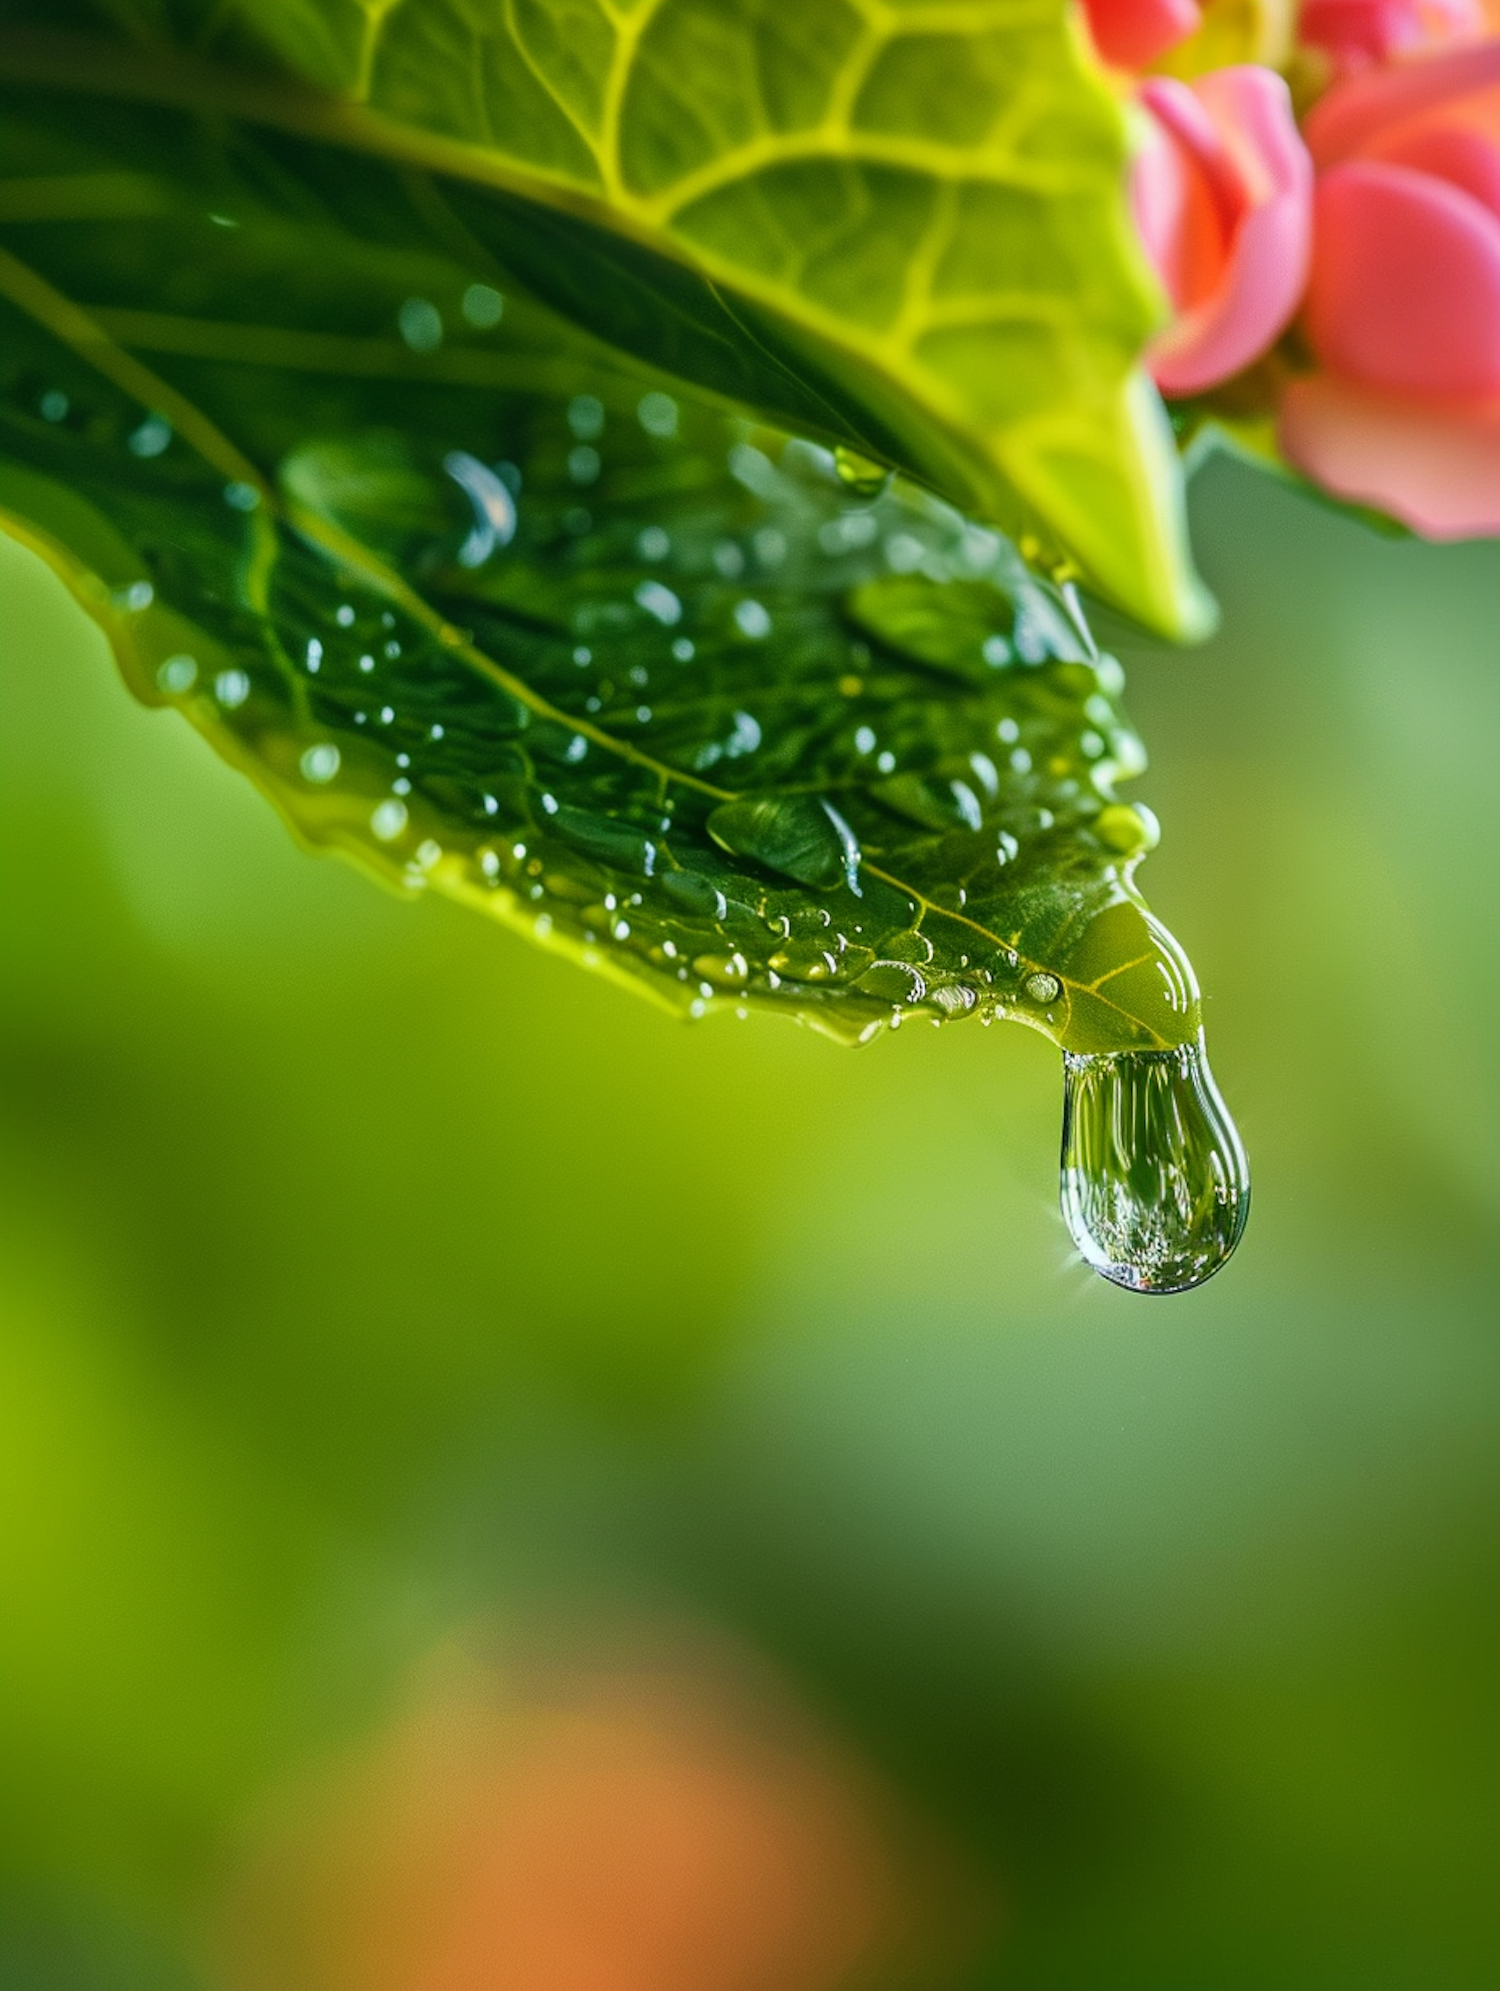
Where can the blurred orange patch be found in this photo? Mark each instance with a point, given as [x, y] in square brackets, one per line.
[661, 1821]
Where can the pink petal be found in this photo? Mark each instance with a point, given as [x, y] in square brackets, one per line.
[1349, 29]
[1405, 291]
[1358, 33]
[1435, 469]
[1266, 265]
[1351, 115]
[1454, 152]
[1131, 33]
[1184, 193]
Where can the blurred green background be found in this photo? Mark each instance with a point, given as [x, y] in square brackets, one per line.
[369, 1273]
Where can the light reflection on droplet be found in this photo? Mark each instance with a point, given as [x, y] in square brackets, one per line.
[320, 763]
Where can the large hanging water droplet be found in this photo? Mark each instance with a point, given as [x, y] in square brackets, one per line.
[861, 475]
[1155, 1186]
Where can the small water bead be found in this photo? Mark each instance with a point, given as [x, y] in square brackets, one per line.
[652, 543]
[420, 324]
[388, 820]
[1155, 1187]
[231, 689]
[683, 649]
[804, 961]
[658, 600]
[151, 438]
[657, 414]
[1129, 828]
[54, 405]
[860, 475]
[241, 497]
[178, 674]
[482, 306]
[752, 619]
[586, 417]
[135, 597]
[1042, 987]
[320, 763]
[494, 507]
[584, 465]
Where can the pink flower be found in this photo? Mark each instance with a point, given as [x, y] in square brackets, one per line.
[1360, 34]
[1403, 308]
[1130, 33]
[1222, 192]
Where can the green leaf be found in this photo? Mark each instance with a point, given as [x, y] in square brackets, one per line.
[897, 227]
[501, 619]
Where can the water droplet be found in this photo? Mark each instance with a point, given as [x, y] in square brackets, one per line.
[752, 619]
[586, 417]
[320, 763]
[893, 981]
[314, 655]
[659, 600]
[241, 497]
[132, 599]
[54, 405]
[652, 543]
[388, 821]
[483, 306]
[178, 674]
[151, 438]
[805, 961]
[1042, 987]
[420, 323]
[494, 507]
[995, 651]
[428, 853]
[657, 414]
[1128, 828]
[683, 649]
[344, 616]
[861, 475]
[584, 464]
[1155, 1187]
[726, 970]
[728, 559]
[231, 688]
